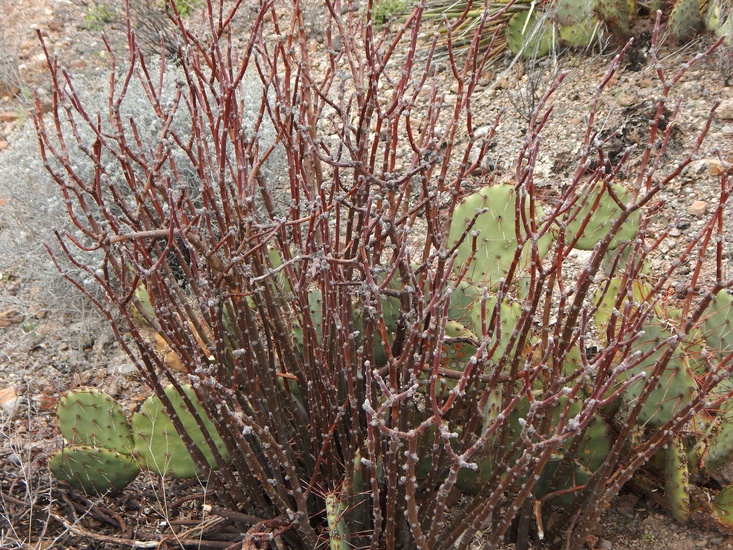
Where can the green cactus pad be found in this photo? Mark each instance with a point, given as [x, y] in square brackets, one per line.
[497, 240]
[569, 12]
[652, 6]
[94, 471]
[315, 310]
[591, 452]
[676, 387]
[723, 506]
[577, 25]
[676, 480]
[719, 19]
[718, 324]
[159, 446]
[605, 302]
[91, 417]
[685, 19]
[721, 449]
[677, 384]
[335, 512]
[595, 444]
[580, 35]
[466, 306]
[600, 218]
[142, 308]
[530, 33]
[617, 14]
[720, 433]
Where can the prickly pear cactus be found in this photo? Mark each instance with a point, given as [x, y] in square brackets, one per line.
[529, 33]
[335, 512]
[676, 480]
[466, 308]
[159, 446]
[142, 308]
[94, 470]
[578, 26]
[617, 14]
[597, 212]
[677, 385]
[578, 460]
[723, 506]
[719, 19]
[717, 329]
[685, 19]
[495, 209]
[719, 436]
[105, 450]
[99, 459]
[93, 418]
[718, 325]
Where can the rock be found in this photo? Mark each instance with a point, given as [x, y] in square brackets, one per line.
[725, 110]
[716, 168]
[46, 400]
[647, 83]
[10, 317]
[626, 505]
[122, 368]
[8, 116]
[9, 401]
[56, 25]
[626, 100]
[8, 89]
[698, 208]
[604, 544]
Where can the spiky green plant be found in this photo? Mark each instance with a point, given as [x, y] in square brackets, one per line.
[532, 29]
[105, 449]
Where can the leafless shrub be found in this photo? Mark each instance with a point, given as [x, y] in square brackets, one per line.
[316, 330]
[10, 79]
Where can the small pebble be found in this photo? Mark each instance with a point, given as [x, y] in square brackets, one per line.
[698, 208]
[626, 505]
[725, 110]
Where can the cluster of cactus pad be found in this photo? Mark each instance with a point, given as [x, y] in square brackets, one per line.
[483, 260]
[577, 23]
[105, 450]
[489, 216]
[491, 253]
